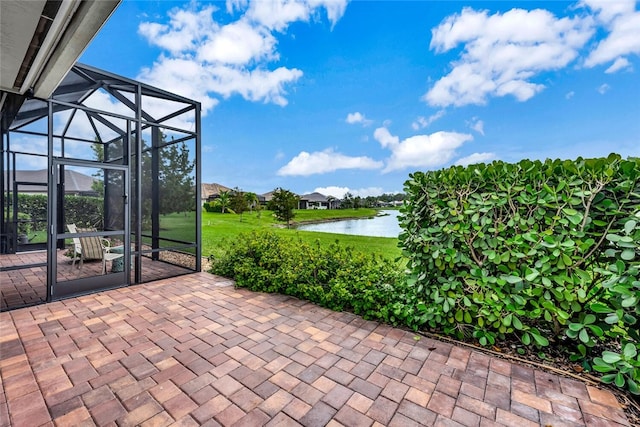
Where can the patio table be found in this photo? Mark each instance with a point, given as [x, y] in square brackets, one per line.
[117, 265]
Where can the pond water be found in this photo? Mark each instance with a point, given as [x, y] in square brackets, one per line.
[379, 226]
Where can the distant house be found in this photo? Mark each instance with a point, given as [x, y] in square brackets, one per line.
[265, 198]
[35, 182]
[318, 201]
[307, 201]
[210, 192]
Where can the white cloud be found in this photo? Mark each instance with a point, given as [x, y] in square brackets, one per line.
[30, 144]
[569, 95]
[618, 64]
[384, 137]
[233, 5]
[238, 43]
[184, 77]
[422, 122]
[622, 21]
[608, 10]
[502, 53]
[278, 14]
[254, 85]
[477, 125]
[339, 192]
[334, 8]
[475, 158]
[185, 30]
[305, 164]
[205, 59]
[193, 80]
[603, 88]
[623, 24]
[353, 118]
[426, 151]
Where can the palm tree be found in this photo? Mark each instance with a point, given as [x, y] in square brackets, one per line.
[331, 202]
[252, 200]
[223, 200]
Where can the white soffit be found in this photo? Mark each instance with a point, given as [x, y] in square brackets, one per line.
[18, 23]
[40, 40]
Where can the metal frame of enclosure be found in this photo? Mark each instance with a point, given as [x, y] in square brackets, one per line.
[141, 147]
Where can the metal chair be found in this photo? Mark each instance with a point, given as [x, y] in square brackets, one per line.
[92, 247]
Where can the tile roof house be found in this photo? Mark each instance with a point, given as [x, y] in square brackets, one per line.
[35, 182]
[318, 201]
[209, 192]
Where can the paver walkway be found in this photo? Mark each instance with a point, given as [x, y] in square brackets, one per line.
[25, 286]
[188, 351]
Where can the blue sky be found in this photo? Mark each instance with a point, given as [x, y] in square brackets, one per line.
[336, 96]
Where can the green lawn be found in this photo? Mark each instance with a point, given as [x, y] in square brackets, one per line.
[217, 227]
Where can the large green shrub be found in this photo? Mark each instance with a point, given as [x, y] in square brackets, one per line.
[33, 206]
[212, 207]
[541, 250]
[84, 211]
[334, 276]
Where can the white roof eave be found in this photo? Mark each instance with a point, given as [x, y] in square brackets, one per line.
[72, 29]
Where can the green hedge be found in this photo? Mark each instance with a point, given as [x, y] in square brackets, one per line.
[538, 250]
[332, 276]
[33, 206]
[212, 207]
[84, 211]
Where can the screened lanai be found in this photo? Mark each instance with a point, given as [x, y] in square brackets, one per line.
[98, 188]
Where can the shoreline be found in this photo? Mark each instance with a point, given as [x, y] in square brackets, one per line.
[326, 220]
[320, 221]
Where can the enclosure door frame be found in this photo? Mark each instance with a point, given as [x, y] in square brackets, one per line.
[79, 286]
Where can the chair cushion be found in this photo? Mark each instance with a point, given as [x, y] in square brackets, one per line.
[91, 246]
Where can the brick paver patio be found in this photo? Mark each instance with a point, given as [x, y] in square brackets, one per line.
[28, 286]
[192, 351]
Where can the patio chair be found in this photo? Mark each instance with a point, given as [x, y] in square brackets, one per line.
[93, 247]
[77, 247]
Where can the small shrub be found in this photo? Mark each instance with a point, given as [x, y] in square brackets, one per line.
[24, 223]
[335, 277]
[212, 207]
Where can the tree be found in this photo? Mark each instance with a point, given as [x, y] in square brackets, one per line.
[347, 201]
[109, 184]
[370, 202]
[253, 202]
[103, 153]
[145, 184]
[98, 184]
[238, 202]
[357, 202]
[282, 204]
[223, 200]
[176, 179]
[332, 202]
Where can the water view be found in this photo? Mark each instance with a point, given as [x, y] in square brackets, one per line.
[384, 225]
